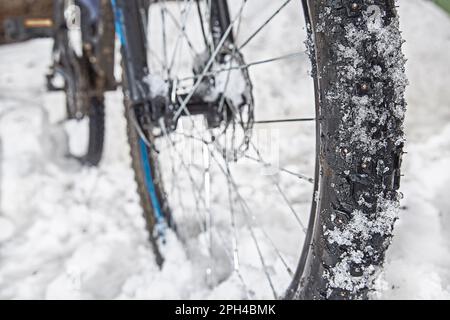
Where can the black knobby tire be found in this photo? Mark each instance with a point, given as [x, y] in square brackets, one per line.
[360, 82]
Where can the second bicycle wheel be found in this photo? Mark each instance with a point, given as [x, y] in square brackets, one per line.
[84, 121]
[274, 191]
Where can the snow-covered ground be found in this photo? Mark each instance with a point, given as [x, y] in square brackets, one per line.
[72, 232]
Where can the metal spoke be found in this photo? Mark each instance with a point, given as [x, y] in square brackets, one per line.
[246, 210]
[197, 194]
[202, 25]
[207, 191]
[267, 164]
[182, 30]
[284, 120]
[227, 82]
[236, 261]
[164, 39]
[278, 252]
[264, 24]
[283, 195]
[175, 185]
[155, 56]
[210, 62]
[183, 163]
[199, 177]
[248, 214]
[245, 66]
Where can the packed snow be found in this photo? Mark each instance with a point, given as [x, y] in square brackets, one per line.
[77, 233]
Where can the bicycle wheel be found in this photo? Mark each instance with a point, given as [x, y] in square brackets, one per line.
[85, 115]
[232, 176]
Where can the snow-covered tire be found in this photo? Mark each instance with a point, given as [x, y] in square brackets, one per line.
[360, 81]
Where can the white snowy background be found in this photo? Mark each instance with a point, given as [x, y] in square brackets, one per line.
[71, 232]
